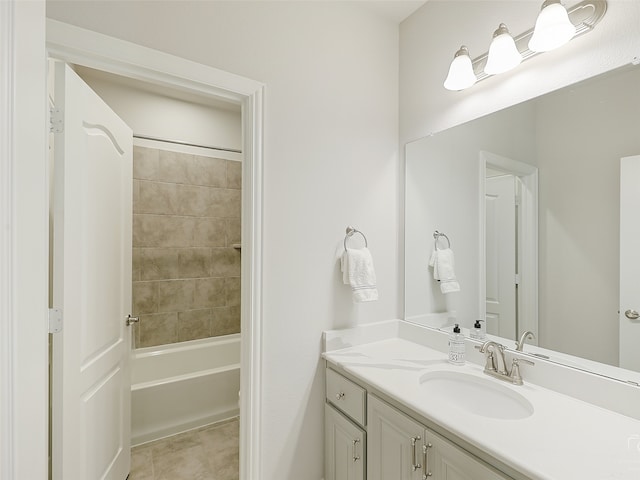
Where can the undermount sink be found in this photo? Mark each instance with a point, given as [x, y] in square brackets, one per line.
[481, 396]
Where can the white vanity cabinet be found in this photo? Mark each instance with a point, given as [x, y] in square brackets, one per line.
[344, 447]
[368, 439]
[344, 423]
[402, 449]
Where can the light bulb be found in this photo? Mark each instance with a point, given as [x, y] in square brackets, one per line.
[503, 53]
[461, 74]
[553, 28]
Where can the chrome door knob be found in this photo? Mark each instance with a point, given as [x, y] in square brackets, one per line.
[632, 314]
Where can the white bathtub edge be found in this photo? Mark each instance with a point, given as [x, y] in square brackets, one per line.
[143, 438]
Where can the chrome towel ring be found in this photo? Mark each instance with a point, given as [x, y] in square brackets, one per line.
[436, 237]
[350, 232]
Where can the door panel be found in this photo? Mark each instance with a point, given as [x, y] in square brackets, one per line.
[345, 447]
[389, 435]
[501, 256]
[92, 217]
[447, 461]
[629, 262]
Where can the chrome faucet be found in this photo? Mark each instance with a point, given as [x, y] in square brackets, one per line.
[495, 357]
[496, 364]
[523, 337]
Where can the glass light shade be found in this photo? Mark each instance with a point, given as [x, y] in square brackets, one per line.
[553, 28]
[503, 53]
[461, 73]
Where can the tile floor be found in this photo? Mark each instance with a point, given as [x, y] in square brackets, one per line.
[208, 453]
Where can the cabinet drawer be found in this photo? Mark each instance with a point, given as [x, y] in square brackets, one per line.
[346, 396]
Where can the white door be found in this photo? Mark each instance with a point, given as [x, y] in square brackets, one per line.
[500, 244]
[92, 216]
[629, 262]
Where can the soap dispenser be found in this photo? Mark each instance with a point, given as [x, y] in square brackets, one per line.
[456, 347]
[476, 332]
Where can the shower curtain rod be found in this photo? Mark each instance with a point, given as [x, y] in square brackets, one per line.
[186, 144]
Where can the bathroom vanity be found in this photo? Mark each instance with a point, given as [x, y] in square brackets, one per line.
[396, 409]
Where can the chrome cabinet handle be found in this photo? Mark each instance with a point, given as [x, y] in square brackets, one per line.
[425, 460]
[131, 320]
[339, 396]
[414, 457]
[354, 444]
[632, 314]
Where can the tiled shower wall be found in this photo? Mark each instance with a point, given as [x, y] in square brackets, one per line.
[186, 270]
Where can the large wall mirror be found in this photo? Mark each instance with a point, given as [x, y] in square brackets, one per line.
[530, 200]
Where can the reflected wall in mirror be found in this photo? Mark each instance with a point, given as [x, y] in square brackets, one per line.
[574, 139]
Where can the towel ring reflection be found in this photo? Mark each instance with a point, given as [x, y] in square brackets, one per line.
[350, 232]
[436, 236]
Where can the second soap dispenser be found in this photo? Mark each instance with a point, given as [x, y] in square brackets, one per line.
[456, 347]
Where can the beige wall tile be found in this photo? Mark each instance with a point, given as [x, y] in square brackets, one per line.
[194, 324]
[145, 163]
[186, 217]
[232, 288]
[225, 262]
[159, 198]
[193, 200]
[209, 292]
[223, 322]
[209, 171]
[158, 263]
[175, 295]
[194, 262]
[136, 194]
[234, 232]
[145, 297]
[158, 329]
[174, 167]
[162, 231]
[210, 232]
[234, 174]
[224, 202]
[136, 258]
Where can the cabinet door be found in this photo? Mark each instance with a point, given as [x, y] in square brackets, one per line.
[344, 447]
[446, 461]
[395, 443]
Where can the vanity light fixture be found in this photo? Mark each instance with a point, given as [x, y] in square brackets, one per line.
[555, 26]
[503, 53]
[461, 74]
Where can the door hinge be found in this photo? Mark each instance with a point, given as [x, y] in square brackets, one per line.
[517, 279]
[55, 320]
[518, 200]
[56, 118]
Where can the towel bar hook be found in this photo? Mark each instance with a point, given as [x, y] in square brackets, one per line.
[350, 232]
[436, 236]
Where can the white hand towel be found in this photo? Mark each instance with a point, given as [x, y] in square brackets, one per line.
[357, 271]
[443, 270]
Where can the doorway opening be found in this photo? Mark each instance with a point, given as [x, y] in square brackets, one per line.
[508, 242]
[236, 188]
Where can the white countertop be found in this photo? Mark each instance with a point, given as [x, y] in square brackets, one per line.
[564, 439]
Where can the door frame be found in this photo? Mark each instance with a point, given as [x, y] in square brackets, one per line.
[84, 47]
[527, 233]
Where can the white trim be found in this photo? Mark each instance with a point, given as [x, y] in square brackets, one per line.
[188, 149]
[76, 45]
[7, 317]
[528, 230]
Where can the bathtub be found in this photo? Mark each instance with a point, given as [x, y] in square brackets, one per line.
[186, 385]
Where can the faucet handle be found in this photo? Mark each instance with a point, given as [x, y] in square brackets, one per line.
[516, 378]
